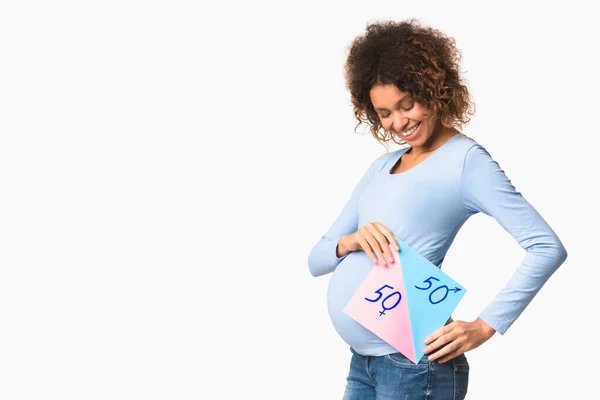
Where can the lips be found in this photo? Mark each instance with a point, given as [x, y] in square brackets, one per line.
[414, 132]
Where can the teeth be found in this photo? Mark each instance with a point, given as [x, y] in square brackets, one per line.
[411, 130]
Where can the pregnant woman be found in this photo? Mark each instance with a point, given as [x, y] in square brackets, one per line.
[404, 80]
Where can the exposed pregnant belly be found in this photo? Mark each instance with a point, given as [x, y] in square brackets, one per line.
[347, 277]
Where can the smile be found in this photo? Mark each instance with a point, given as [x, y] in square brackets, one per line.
[411, 130]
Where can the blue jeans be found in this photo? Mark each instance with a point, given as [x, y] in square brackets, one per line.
[395, 377]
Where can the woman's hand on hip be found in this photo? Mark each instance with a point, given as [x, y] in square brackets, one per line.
[458, 337]
[374, 239]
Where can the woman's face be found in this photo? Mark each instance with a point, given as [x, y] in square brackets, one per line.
[400, 114]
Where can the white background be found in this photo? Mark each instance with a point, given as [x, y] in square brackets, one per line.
[166, 167]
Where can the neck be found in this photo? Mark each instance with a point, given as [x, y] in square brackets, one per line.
[440, 135]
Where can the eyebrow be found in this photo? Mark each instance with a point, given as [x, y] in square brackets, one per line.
[399, 101]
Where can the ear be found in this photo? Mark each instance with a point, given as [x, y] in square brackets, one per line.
[433, 110]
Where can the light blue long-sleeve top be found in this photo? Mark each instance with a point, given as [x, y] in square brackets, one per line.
[425, 207]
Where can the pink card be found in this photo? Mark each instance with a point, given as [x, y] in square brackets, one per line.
[380, 305]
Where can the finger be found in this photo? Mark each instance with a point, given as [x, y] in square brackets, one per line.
[383, 242]
[366, 248]
[444, 351]
[439, 342]
[442, 331]
[389, 235]
[457, 352]
[385, 246]
[375, 246]
[373, 243]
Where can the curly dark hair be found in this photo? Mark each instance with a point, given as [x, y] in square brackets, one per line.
[416, 59]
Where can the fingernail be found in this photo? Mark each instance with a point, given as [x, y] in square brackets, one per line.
[391, 259]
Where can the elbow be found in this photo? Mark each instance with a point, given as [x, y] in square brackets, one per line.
[562, 253]
[550, 253]
[559, 253]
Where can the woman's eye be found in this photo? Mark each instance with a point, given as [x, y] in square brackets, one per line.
[405, 109]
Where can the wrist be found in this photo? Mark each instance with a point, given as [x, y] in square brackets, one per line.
[341, 249]
[487, 330]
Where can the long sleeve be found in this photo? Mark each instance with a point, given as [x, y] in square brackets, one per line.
[485, 188]
[323, 258]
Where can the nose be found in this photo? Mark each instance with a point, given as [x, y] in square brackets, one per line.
[400, 121]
